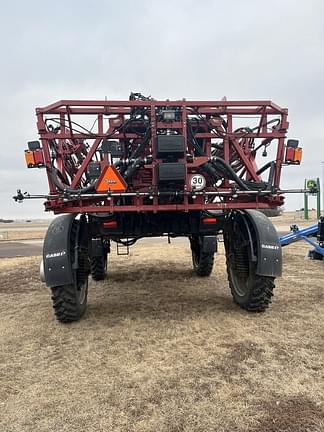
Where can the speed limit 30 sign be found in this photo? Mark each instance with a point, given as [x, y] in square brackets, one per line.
[197, 182]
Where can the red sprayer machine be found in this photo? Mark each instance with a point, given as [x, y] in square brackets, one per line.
[123, 170]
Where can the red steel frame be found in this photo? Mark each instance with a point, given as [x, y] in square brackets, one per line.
[106, 114]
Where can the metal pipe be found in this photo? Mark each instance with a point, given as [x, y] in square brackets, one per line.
[298, 235]
[233, 193]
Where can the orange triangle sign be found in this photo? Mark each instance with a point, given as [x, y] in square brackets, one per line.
[111, 180]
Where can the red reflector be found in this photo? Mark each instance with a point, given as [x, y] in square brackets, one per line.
[110, 224]
[209, 220]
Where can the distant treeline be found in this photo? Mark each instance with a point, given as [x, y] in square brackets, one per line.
[6, 220]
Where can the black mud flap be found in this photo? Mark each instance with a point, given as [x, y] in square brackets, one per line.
[269, 253]
[56, 252]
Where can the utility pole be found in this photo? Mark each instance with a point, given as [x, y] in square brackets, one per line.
[306, 215]
[322, 185]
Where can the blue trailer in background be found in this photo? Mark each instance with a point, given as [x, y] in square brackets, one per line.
[314, 235]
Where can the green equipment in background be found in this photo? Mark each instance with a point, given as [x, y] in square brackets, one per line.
[314, 188]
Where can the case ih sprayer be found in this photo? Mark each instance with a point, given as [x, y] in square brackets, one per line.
[123, 170]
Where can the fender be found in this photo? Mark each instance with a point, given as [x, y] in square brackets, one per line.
[56, 252]
[269, 253]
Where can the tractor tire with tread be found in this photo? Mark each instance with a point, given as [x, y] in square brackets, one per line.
[203, 262]
[250, 291]
[66, 304]
[70, 301]
[98, 267]
[258, 291]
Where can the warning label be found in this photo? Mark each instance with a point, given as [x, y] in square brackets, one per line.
[111, 180]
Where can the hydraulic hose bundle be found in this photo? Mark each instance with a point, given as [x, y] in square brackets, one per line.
[217, 168]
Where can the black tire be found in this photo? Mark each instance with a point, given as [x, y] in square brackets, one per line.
[67, 304]
[249, 290]
[98, 267]
[70, 301]
[202, 262]
[254, 294]
[315, 255]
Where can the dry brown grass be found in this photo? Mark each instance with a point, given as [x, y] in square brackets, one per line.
[162, 350]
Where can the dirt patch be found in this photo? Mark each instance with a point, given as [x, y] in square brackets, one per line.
[244, 351]
[297, 414]
[19, 275]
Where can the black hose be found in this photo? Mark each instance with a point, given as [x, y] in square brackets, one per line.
[118, 164]
[272, 166]
[264, 168]
[132, 168]
[254, 186]
[211, 171]
[271, 175]
[65, 188]
[137, 152]
[218, 168]
[219, 161]
[197, 147]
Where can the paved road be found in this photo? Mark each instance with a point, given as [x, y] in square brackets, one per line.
[18, 249]
[27, 248]
[22, 229]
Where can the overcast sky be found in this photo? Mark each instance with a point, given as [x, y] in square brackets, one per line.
[170, 49]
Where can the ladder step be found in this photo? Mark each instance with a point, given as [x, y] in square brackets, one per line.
[122, 249]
